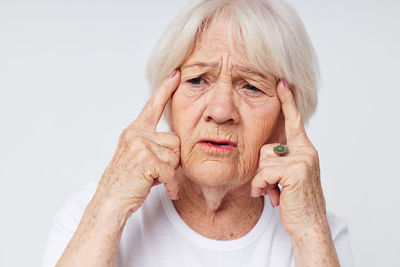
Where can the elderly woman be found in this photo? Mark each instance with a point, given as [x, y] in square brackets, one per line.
[236, 79]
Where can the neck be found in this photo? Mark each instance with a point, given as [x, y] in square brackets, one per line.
[217, 212]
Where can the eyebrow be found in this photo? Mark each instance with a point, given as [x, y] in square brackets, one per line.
[201, 64]
[251, 72]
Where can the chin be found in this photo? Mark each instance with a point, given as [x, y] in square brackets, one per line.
[211, 173]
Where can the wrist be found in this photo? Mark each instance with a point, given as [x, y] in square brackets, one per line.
[313, 245]
[313, 228]
[97, 237]
[108, 206]
[318, 236]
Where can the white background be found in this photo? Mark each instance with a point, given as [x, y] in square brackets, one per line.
[72, 78]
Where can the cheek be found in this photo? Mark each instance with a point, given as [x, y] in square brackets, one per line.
[186, 106]
[185, 115]
[261, 122]
[257, 126]
[178, 104]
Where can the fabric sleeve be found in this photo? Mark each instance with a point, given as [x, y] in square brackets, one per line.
[341, 238]
[65, 223]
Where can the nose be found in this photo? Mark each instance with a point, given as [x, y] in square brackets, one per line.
[221, 107]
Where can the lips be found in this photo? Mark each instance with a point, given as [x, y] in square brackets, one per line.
[218, 142]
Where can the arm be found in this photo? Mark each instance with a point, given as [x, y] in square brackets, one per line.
[143, 158]
[301, 200]
[340, 235]
[314, 247]
[96, 239]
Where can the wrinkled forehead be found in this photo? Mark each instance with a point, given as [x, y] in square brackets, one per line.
[218, 35]
[218, 42]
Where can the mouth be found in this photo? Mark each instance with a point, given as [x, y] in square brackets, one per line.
[218, 144]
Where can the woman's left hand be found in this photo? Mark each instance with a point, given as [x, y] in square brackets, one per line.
[302, 204]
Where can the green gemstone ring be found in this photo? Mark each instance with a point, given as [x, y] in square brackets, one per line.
[281, 149]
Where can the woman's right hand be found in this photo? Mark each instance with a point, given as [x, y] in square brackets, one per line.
[144, 157]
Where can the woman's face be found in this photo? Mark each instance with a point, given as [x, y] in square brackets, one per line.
[219, 99]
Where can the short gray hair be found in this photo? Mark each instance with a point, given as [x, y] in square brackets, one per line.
[275, 39]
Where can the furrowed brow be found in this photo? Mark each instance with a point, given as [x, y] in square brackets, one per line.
[213, 65]
[201, 65]
[252, 72]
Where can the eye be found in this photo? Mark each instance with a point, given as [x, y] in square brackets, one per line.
[251, 87]
[196, 81]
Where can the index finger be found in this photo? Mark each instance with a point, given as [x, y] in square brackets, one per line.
[154, 108]
[294, 128]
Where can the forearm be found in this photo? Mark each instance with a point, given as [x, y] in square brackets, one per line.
[314, 247]
[97, 237]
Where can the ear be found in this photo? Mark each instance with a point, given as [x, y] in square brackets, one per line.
[278, 135]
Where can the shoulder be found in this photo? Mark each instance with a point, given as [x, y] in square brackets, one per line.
[71, 212]
[65, 222]
[339, 228]
[337, 224]
[74, 206]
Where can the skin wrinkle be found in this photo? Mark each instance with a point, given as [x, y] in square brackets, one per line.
[215, 188]
[268, 87]
[236, 68]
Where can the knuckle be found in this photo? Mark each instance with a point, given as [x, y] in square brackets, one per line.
[174, 139]
[177, 140]
[256, 181]
[315, 154]
[151, 172]
[313, 159]
[310, 156]
[176, 144]
[135, 144]
[163, 169]
[301, 167]
[307, 159]
[263, 149]
[143, 155]
[123, 136]
[127, 135]
[175, 161]
[266, 149]
[264, 164]
[133, 140]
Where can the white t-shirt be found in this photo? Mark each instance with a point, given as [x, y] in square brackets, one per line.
[155, 235]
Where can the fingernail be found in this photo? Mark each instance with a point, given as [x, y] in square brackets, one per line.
[286, 84]
[172, 74]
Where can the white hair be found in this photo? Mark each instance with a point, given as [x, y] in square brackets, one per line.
[273, 35]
